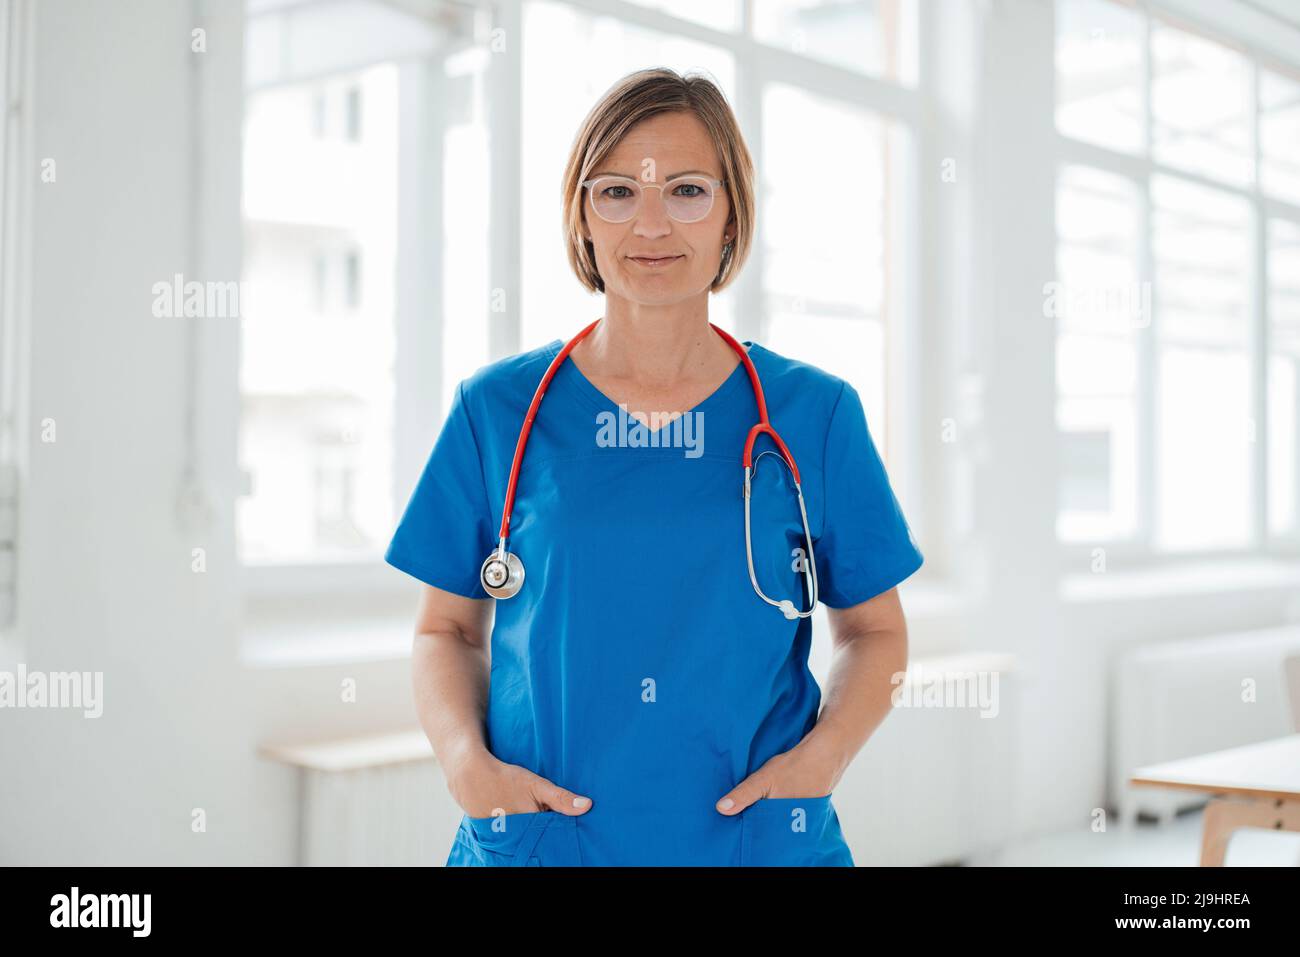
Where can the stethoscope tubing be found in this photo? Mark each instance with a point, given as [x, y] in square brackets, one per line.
[763, 425]
[527, 429]
[810, 566]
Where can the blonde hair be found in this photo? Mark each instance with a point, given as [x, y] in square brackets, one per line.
[639, 96]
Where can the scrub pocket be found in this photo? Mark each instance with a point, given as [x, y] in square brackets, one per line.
[792, 832]
[532, 839]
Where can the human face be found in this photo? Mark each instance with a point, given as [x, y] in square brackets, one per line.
[651, 258]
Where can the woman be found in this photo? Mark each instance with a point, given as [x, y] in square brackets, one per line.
[642, 704]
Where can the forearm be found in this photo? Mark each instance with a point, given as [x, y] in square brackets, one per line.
[450, 681]
[857, 696]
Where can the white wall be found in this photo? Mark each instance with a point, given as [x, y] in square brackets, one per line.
[105, 573]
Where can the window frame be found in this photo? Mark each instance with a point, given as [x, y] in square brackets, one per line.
[1140, 169]
[418, 378]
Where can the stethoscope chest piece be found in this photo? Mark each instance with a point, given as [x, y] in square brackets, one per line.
[502, 574]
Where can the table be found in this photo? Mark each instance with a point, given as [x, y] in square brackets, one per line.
[1257, 785]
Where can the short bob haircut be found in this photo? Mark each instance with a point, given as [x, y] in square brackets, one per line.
[639, 96]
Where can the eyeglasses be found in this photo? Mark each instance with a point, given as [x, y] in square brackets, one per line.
[616, 199]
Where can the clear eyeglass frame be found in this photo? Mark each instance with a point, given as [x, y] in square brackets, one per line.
[639, 187]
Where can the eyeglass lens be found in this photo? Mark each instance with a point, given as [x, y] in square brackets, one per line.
[686, 200]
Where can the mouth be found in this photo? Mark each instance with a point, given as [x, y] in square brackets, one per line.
[655, 262]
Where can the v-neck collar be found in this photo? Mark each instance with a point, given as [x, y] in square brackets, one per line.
[601, 402]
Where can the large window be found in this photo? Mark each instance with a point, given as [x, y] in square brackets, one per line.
[1100, 310]
[1200, 105]
[1176, 226]
[1099, 62]
[825, 236]
[317, 360]
[876, 37]
[364, 190]
[1284, 377]
[1202, 429]
[1279, 135]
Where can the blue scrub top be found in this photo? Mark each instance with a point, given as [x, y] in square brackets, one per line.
[637, 666]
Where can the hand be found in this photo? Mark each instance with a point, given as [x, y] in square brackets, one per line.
[803, 771]
[484, 786]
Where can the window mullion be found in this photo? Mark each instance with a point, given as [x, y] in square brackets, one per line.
[1148, 365]
[1258, 339]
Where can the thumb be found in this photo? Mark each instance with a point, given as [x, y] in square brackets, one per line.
[558, 799]
[743, 795]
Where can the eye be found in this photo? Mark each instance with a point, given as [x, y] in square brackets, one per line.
[699, 190]
[611, 192]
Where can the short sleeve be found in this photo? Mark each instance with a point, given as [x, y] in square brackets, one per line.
[866, 546]
[445, 531]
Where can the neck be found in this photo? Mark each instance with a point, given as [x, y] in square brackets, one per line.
[654, 347]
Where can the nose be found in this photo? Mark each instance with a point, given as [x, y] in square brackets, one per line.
[652, 218]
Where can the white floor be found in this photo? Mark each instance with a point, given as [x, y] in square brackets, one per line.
[1147, 844]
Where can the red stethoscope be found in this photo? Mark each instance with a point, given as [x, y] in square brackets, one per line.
[502, 573]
